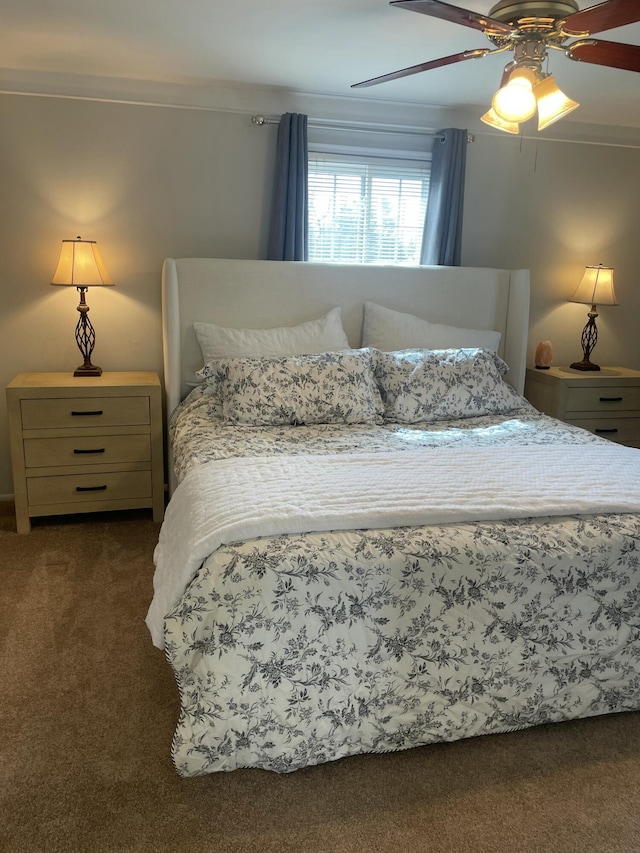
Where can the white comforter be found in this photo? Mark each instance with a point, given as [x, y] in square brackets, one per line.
[231, 500]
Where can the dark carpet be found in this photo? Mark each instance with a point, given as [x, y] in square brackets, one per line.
[88, 708]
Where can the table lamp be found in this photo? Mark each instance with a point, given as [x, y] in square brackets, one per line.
[596, 288]
[81, 266]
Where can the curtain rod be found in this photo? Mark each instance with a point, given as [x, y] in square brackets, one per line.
[367, 127]
[359, 126]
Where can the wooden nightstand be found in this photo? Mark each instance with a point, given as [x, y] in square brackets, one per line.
[85, 444]
[605, 402]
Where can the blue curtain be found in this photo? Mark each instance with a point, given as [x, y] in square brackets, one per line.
[289, 218]
[442, 240]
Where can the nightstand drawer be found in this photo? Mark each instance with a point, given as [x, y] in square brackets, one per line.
[610, 398]
[86, 450]
[605, 402]
[84, 412]
[622, 430]
[79, 488]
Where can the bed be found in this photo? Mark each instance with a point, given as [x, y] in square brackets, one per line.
[373, 541]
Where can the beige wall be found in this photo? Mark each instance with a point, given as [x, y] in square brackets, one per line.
[554, 207]
[145, 182]
[149, 182]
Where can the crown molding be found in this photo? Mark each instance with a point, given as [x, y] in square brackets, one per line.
[248, 99]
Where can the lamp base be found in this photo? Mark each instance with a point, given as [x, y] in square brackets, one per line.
[92, 370]
[585, 364]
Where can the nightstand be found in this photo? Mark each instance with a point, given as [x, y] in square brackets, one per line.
[85, 444]
[605, 402]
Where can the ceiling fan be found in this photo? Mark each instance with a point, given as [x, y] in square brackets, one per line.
[530, 28]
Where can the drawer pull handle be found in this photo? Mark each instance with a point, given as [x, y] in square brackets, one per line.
[96, 450]
[91, 488]
[610, 399]
[81, 414]
[606, 430]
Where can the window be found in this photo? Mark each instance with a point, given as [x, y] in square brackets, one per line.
[366, 210]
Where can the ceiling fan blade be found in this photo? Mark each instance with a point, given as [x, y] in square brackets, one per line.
[423, 66]
[604, 16]
[455, 14]
[610, 53]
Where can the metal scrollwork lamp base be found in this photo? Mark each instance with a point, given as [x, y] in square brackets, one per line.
[85, 338]
[589, 340]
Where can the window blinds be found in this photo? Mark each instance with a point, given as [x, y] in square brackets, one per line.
[366, 210]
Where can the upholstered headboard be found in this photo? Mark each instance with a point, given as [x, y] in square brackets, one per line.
[265, 294]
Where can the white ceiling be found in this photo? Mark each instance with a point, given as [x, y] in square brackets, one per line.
[314, 46]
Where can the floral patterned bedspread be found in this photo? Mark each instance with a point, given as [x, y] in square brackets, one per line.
[298, 649]
[198, 435]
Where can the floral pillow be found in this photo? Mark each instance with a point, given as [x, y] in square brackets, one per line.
[423, 386]
[322, 388]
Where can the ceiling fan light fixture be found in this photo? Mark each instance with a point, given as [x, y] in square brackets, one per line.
[553, 104]
[522, 75]
[515, 102]
[529, 29]
[493, 119]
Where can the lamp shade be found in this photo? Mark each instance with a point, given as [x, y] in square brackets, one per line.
[80, 265]
[492, 118]
[596, 287]
[553, 104]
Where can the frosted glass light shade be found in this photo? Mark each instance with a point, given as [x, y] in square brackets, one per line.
[596, 287]
[553, 104]
[80, 265]
[516, 102]
[492, 118]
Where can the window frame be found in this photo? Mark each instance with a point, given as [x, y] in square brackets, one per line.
[371, 165]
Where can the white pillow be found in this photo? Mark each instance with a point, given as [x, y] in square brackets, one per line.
[389, 331]
[323, 335]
